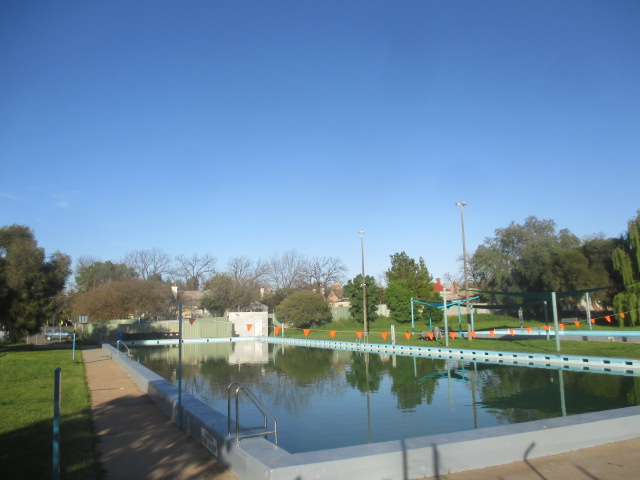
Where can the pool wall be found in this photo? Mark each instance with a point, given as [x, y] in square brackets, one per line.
[258, 458]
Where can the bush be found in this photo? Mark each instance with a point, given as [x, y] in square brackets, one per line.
[304, 309]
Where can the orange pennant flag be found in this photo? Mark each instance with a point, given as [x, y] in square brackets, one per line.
[191, 320]
[306, 331]
[492, 332]
[473, 334]
[249, 327]
[384, 335]
[430, 335]
[277, 330]
[528, 329]
[608, 317]
[593, 320]
[622, 315]
[512, 332]
[561, 326]
[359, 334]
[577, 323]
[408, 335]
[546, 327]
[452, 335]
[332, 333]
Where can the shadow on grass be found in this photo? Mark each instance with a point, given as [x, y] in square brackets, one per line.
[27, 452]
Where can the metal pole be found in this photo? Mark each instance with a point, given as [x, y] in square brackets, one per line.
[446, 326]
[588, 302]
[73, 351]
[364, 290]
[180, 366]
[413, 330]
[466, 273]
[555, 320]
[56, 423]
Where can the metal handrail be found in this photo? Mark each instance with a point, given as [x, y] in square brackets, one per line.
[128, 352]
[258, 404]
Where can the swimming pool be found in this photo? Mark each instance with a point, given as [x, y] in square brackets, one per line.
[335, 398]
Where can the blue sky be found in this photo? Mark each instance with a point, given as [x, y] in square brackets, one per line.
[252, 128]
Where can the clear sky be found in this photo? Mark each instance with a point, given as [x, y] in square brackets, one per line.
[255, 127]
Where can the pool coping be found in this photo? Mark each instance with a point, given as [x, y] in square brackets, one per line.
[408, 458]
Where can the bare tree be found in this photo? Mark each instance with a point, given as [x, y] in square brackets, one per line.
[149, 264]
[195, 270]
[288, 270]
[244, 269]
[322, 272]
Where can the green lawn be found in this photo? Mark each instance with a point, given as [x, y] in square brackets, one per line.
[26, 423]
[345, 330]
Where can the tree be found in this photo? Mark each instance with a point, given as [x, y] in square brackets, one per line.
[417, 276]
[353, 291]
[322, 272]
[194, 271]
[91, 273]
[234, 289]
[149, 264]
[399, 297]
[533, 257]
[124, 299]
[626, 260]
[409, 279]
[599, 252]
[225, 293]
[287, 271]
[304, 309]
[29, 281]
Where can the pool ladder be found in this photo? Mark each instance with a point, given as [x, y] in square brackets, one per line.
[235, 393]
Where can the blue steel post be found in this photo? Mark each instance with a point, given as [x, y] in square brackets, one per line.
[180, 366]
[588, 302]
[73, 351]
[413, 330]
[446, 325]
[56, 423]
[473, 327]
[555, 320]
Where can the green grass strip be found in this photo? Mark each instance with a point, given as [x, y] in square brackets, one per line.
[26, 423]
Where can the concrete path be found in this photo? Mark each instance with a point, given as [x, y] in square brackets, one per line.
[135, 439]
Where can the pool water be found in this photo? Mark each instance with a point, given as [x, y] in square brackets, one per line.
[333, 398]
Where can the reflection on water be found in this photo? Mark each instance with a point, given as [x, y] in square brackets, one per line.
[325, 398]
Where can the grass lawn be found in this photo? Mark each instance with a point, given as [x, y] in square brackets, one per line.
[345, 330]
[26, 423]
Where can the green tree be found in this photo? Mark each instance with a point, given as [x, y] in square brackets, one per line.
[533, 257]
[353, 291]
[124, 299]
[304, 309]
[409, 279]
[29, 281]
[225, 292]
[626, 260]
[399, 300]
[91, 273]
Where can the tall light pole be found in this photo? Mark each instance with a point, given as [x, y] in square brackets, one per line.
[179, 372]
[464, 260]
[364, 289]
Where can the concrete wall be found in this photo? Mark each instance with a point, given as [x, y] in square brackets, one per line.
[258, 321]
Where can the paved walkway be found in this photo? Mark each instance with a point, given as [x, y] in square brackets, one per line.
[137, 441]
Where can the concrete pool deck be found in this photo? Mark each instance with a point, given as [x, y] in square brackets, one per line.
[137, 440]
